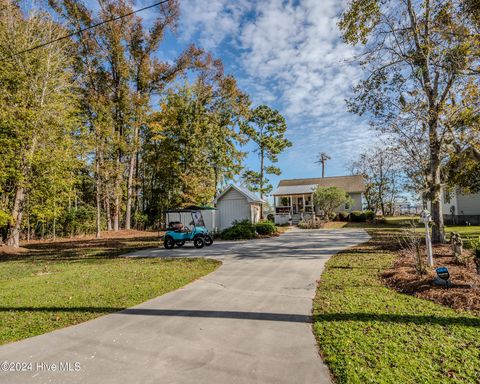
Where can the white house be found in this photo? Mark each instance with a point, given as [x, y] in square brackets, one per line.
[236, 204]
[293, 198]
[459, 207]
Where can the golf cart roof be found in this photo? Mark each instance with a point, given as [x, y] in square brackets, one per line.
[181, 210]
[189, 209]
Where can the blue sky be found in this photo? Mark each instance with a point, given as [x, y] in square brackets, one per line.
[289, 55]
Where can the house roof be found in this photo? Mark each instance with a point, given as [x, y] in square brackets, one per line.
[349, 184]
[251, 197]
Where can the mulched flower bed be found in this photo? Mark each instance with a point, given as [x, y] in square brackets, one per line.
[464, 292]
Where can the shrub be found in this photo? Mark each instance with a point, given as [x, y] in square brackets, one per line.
[240, 230]
[313, 223]
[370, 215]
[81, 220]
[332, 216]
[380, 219]
[265, 228]
[271, 217]
[343, 216]
[475, 246]
[358, 216]
[328, 199]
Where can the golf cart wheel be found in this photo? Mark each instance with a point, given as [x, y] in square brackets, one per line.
[208, 240]
[169, 243]
[199, 242]
[180, 243]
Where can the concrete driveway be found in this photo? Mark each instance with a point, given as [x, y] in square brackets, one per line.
[247, 322]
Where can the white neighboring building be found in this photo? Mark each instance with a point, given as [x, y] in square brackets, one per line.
[293, 198]
[459, 208]
[236, 204]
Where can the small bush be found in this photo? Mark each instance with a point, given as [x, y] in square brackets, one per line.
[76, 221]
[358, 216]
[332, 216]
[313, 223]
[475, 246]
[240, 230]
[271, 217]
[380, 219]
[265, 228]
[370, 215]
[343, 216]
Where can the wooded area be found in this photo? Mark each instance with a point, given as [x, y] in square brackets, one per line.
[98, 131]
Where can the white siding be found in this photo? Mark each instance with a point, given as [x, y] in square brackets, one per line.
[232, 206]
[356, 206]
[357, 202]
[468, 204]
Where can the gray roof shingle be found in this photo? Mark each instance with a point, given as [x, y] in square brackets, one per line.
[349, 184]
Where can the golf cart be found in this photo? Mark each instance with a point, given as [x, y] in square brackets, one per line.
[177, 233]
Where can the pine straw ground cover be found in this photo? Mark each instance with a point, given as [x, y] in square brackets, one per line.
[465, 282]
[52, 285]
[369, 333]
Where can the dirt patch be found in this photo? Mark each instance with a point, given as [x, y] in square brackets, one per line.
[334, 224]
[6, 250]
[464, 292]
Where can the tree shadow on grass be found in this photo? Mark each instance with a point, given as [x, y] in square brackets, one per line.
[78, 249]
[266, 316]
[400, 319]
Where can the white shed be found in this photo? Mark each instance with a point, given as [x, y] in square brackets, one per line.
[236, 204]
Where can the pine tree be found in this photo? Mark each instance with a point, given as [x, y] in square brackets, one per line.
[266, 128]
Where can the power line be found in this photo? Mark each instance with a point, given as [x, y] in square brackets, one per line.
[81, 30]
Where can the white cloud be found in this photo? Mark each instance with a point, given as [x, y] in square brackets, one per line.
[212, 21]
[291, 55]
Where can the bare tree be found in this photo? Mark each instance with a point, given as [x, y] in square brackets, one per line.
[383, 176]
[419, 58]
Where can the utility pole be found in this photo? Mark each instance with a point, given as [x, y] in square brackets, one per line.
[322, 159]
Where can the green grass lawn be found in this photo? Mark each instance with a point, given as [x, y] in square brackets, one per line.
[43, 291]
[396, 222]
[371, 334]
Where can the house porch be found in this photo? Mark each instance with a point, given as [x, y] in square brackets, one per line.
[297, 207]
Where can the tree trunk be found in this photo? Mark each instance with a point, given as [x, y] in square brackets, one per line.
[131, 171]
[109, 214]
[98, 199]
[261, 181]
[13, 239]
[116, 213]
[438, 229]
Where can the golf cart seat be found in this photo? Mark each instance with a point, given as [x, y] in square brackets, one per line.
[176, 226]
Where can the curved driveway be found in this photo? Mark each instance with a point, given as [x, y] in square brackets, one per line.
[247, 322]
